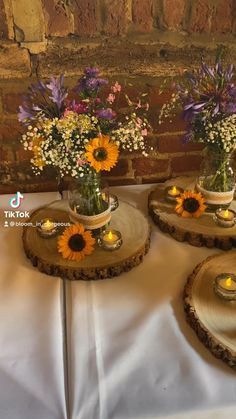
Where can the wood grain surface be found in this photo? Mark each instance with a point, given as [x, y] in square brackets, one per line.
[101, 264]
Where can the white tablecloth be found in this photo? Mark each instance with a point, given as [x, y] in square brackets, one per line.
[131, 353]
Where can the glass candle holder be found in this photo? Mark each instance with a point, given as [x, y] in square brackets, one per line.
[225, 218]
[225, 286]
[47, 228]
[114, 203]
[172, 192]
[110, 239]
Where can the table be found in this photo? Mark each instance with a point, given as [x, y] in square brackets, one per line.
[128, 352]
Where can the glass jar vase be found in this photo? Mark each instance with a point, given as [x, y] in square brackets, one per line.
[89, 202]
[216, 180]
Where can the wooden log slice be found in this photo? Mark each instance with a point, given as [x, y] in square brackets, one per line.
[212, 318]
[202, 231]
[101, 264]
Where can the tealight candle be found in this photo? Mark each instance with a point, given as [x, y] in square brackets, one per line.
[47, 228]
[225, 218]
[172, 192]
[225, 286]
[110, 240]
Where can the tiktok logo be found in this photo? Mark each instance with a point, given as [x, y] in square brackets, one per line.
[15, 202]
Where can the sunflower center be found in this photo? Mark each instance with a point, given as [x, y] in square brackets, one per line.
[76, 243]
[100, 154]
[191, 205]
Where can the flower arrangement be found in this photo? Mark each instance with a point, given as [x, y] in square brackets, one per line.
[83, 135]
[207, 99]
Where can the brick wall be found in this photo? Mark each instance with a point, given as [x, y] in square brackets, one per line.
[133, 41]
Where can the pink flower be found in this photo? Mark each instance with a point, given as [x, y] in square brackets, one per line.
[66, 112]
[144, 132]
[111, 98]
[79, 108]
[116, 87]
[139, 122]
[80, 162]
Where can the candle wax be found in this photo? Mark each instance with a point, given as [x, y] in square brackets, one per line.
[47, 225]
[174, 191]
[227, 284]
[227, 215]
[110, 237]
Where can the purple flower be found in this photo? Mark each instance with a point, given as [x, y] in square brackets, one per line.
[208, 89]
[91, 71]
[58, 92]
[105, 113]
[232, 91]
[230, 108]
[208, 71]
[229, 72]
[219, 69]
[46, 98]
[206, 94]
[89, 84]
[24, 114]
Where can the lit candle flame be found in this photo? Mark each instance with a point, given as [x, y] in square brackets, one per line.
[228, 281]
[110, 235]
[226, 213]
[174, 190]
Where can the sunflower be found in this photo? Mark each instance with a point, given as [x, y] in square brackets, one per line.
[75, 243]
[190, 204]
[102, 153]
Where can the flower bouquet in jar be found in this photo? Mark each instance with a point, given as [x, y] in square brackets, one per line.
[207, 99]
[83, 137]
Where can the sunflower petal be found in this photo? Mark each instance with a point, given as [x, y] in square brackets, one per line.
[63, 244]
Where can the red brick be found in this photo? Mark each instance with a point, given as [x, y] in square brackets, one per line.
[11, 102]
[116, 20]
[175, 144]
[56, 18]
[177, 124]
[3, 22]
[23, 155]
[187, 163]
[155, 98]
[151, 141]
[149, 166]
[14, 61]
[173, 13]
[120, 169]
[142, 14]
[10, 131]
[223, 17]
[3, 154]
[201, 16]
[133, 92]
[85, 17]
[121, 181]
